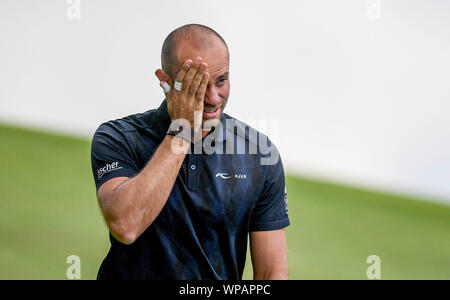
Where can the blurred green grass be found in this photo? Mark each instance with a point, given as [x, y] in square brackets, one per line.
[48, 211]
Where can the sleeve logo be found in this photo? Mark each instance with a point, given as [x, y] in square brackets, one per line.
[285, 201]
[108, 168]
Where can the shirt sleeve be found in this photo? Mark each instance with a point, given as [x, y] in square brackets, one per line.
[111, 156]
[271, 210]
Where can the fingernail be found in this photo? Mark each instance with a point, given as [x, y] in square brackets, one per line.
[197, 60]
[202, 67]
[188, 63]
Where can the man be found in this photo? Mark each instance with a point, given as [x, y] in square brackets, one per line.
[174, 213]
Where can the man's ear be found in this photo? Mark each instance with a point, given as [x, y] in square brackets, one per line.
[162, 76]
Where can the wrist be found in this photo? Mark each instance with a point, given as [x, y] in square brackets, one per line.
[182, 129]
[177, 144]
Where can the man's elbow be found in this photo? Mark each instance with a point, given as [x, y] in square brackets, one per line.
[126, 235]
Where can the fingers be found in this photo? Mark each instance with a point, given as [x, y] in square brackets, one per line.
[165, 86]
[202, 88]
[184, 69]
[194, 78]
[197, 80]
[191, 74]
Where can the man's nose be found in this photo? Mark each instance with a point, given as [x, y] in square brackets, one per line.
[211, 96]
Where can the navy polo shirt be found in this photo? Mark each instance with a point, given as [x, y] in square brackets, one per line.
[217, 199]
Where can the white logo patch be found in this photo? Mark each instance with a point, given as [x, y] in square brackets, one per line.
[108, 168]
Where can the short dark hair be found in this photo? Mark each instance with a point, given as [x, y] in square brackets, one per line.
[169, 48]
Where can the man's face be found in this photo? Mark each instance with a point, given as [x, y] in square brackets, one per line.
[218, 90]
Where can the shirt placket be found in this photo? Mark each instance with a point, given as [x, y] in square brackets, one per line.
[193, 172]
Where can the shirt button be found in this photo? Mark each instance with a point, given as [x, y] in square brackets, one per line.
[192, 167]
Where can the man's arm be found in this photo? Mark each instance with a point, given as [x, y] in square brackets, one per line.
[269, 254]
[130, 205]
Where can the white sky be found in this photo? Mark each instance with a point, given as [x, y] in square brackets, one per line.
[359, 100]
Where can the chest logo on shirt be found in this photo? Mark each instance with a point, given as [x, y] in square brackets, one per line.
[228, 176]
[223, 175]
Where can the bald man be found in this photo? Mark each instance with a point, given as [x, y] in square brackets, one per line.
[176, 213]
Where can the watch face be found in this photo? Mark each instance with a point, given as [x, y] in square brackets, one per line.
[175, 130]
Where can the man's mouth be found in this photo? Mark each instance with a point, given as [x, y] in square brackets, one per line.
[211, 112]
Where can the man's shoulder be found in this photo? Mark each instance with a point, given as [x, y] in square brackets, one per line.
[135, 123]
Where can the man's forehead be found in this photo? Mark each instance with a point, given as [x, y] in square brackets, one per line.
[213, 52]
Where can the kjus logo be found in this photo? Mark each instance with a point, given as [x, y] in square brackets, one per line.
[227, 176]
[223, 175]
[108, 168]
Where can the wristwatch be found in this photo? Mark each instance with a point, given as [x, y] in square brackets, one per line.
[180, 131]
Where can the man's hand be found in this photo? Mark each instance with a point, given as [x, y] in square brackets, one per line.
[182, 104]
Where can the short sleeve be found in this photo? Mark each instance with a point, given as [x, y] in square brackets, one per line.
[271, 209]
[111, 155]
